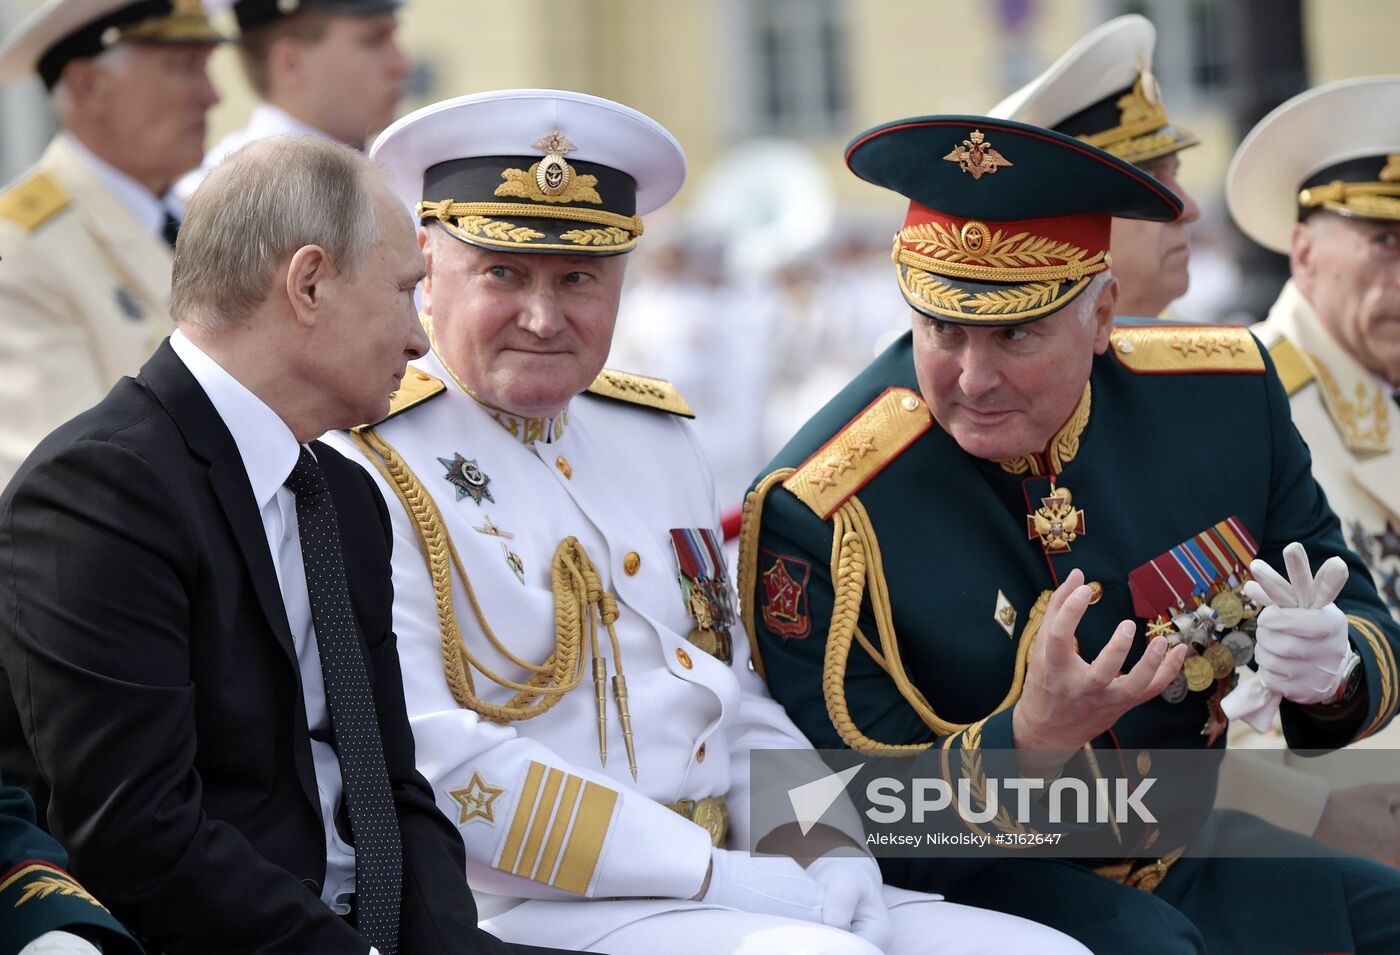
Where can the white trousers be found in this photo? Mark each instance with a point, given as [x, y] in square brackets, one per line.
[923, 925]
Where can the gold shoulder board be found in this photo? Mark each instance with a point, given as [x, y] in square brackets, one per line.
[33, 201]
[860, 450]
[1293, 368]
[640, 390]
[1186, 349]
[416, 388]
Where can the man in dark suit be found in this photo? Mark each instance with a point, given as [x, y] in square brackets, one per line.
[204, 690]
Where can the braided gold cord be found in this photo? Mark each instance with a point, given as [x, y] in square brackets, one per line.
[577, 588]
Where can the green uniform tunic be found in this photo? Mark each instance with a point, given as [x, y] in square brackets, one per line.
[1180, 429]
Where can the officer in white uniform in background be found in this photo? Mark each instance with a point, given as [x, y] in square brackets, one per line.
[1103, 91]
[86, 235]
[330, 68]
[1318, 180]
[577, 679]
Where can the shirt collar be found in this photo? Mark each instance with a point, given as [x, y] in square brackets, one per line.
[267, 120]
[145, 206]
[267, 446]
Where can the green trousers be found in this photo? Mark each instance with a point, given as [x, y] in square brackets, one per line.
[1327, 903]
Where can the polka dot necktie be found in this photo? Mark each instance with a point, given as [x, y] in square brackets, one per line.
[354, 722]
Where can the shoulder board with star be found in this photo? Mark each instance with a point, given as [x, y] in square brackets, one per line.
[33, 201]
[416, 388]
[1173, 349]
[640, 390]
[860, 450]
[1293, 369]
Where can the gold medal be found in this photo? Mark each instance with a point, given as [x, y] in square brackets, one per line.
[1221, 660]
[1228, 608]
[1199, 674]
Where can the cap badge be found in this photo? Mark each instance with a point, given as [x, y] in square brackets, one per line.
[552, 173]
[1391, 171]
[977, 156]
[551, 179]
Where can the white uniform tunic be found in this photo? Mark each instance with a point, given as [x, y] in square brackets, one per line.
[545, 822]
[1352, 427]
[84, 291]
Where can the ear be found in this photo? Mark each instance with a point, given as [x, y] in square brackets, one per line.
[1102, 318]
[427, 249]
[286, 60]
[308, 274]
[1300, 257]
[81, 77]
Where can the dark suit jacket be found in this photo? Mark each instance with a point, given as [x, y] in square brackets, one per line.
[155, 707]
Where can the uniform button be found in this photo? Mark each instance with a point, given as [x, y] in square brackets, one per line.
[562, 463]
[631, 563]
[700, 754]
[1144, 763]
[684, 658]
[423, 375]
[312, 885]
[1095, 591]
[1125, 346]
[910, 403]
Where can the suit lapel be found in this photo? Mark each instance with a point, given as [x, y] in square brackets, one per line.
[204, 431]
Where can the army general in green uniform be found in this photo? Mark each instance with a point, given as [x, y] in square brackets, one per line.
[1018, 478]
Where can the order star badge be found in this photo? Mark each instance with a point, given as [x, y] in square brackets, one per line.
[467, 478]
[476, 801]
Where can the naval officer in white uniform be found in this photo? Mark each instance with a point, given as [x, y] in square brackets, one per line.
[576, 677]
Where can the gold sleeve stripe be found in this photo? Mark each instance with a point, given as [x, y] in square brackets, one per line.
[1385, 663]
[557, 832]
[586, 841]
[1293, 369]
[561, 826]
[520, 822]
[1186, 349]
[539, 826]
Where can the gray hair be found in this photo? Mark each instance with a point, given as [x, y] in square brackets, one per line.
[256, 209]
[1088, 298]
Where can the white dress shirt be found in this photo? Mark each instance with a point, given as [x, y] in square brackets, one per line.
[269, 452]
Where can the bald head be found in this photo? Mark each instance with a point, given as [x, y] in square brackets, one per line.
[256, 209]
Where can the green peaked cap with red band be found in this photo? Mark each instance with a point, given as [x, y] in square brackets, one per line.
[1007, 223]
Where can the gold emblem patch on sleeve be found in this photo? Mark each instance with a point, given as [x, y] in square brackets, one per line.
[476, 801]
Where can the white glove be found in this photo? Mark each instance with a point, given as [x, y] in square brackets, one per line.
[60, 943]
[854, 900]
[1301, 642]
[771, 885]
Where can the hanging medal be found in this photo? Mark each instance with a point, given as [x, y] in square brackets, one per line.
[704, 589]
